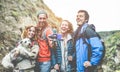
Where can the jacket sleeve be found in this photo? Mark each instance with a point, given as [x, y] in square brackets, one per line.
[96, 46]
[58, 53]
[34, 52]
[48, 33]
[53, 57]
[70, 47]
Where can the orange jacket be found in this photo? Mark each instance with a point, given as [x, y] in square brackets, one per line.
[44, 42]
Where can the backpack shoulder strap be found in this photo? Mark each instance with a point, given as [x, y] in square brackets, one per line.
[44, 33]
[90, 32]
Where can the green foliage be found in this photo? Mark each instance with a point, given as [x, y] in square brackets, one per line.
[111, 39]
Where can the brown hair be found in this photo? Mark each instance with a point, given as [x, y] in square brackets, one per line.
[25, 31]
[86, 14]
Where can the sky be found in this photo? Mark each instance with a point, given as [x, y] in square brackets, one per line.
[104, 14]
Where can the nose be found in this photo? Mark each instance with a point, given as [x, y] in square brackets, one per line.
[30, 44]
[41, 19]
[77, 18]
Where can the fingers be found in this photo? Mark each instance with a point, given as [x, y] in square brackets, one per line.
[70, 58]
[56, 67]
[87, 64]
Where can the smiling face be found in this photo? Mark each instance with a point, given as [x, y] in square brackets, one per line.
[82, 17]
[31, 32]
[64, 27]
[42, 19]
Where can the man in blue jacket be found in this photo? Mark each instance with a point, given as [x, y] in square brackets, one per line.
[85, 61]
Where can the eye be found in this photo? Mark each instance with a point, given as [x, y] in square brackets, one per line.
[25, 41]
[29, 30]
[42, 18]
[33, 31]
[77, 16]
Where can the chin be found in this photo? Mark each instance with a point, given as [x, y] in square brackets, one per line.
[79, 24]
[30, 37]
[63, 32]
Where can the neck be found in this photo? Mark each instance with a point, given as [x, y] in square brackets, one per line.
[64, 35]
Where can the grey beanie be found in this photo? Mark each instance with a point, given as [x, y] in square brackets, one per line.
[41, 12]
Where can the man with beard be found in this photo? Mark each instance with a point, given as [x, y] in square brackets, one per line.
[44, 55]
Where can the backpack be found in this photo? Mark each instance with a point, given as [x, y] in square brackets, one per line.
[91, 26]
[97, 68]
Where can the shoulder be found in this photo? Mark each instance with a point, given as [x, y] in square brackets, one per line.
[69, 36]
[48, 30]
[90, 32]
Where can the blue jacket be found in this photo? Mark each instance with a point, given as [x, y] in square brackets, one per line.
[58, 54]
[82, 49]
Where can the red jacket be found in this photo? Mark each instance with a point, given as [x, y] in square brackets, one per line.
[44, 51]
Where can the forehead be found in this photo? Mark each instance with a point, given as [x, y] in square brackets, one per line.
[32, 28]
[64, 22]
[42, 15]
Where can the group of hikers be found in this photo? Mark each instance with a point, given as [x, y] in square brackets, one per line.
[75, 51]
